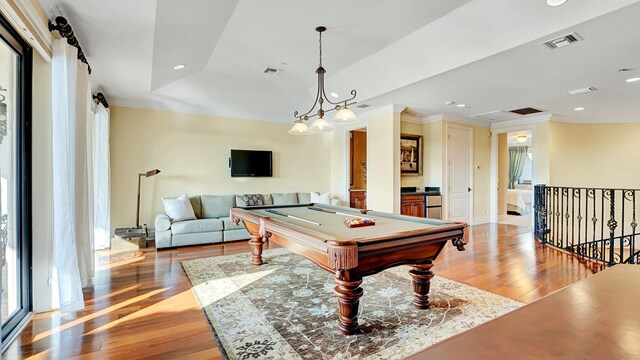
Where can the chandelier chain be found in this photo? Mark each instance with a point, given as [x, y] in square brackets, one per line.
[320, 41]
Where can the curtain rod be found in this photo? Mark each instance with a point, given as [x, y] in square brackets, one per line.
[101, 99]
[64, 29]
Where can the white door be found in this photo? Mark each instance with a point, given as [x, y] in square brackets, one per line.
[459, 174]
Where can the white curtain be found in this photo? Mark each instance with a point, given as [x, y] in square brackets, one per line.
[72, 177]
[102, 186]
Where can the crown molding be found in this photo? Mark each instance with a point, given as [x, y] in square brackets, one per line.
[467, 121]
[387, 109]
[595, 121]
[27, 20]
[531, 119]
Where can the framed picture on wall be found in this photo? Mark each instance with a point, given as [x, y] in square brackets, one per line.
[410, 154]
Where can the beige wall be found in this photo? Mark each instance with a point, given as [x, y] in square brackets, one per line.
[503, 173]
[595, 155]
[192, 151]
[407, 127]
[42, 207]
[433, 134]
[383, 165]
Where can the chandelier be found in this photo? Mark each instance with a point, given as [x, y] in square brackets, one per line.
[320, 125]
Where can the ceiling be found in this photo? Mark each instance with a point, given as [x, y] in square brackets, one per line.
[416, 53]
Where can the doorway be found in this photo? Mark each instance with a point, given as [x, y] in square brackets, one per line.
[459, 159]
[358, 168]
[15, 180]
[515, 177]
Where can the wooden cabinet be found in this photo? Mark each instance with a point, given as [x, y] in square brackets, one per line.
[412, 205]
[358, 199]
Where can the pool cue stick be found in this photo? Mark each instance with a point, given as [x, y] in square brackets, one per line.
[340, 213]
[293, 217]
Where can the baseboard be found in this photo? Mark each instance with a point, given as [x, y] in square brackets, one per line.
[480, 220]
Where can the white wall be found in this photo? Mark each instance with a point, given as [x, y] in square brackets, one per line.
[383, 162]
[192, 152]
[42, 206]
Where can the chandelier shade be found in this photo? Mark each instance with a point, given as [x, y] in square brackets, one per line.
[320, 125]
[345, 116]
[300, 128]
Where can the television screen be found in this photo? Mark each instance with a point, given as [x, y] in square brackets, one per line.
[245, 163]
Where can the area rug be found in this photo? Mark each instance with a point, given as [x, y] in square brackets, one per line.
[286, 309]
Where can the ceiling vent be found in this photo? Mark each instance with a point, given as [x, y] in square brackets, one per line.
[272, 71]
[563, 41]
[362, 106]
[582, 91]
[496, 115]
[527, 111]
[499, 115]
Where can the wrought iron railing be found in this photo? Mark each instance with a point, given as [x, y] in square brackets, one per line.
[595, 224]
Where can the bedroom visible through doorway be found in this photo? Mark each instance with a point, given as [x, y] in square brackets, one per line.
[515, 177]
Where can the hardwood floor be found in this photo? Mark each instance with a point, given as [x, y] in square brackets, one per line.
[143, 308]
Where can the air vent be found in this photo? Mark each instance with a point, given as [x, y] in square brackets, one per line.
[527, 111]
[582, 91]
[563, 41]
[496, 115]
[362, 106]
[271, 71]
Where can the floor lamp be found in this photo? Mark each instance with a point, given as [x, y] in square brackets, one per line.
[149, 173]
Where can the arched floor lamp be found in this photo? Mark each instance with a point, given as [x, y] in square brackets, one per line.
[149, 173]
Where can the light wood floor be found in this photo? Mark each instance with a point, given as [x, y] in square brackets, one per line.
[143, 308]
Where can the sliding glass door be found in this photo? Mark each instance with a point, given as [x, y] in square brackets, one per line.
[15, 179]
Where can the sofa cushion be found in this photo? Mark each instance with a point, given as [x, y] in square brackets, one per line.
[284, 198]
[215, 206]
[318, 198]
[195, 204]
[233, 235]
[304, 198]
[229, 225]
[266, 200]
[197, 226]
[178, 208]
[197, 238]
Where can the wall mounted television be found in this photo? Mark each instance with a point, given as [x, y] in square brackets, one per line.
[251, 163]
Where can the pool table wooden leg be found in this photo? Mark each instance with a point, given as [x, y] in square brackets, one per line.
[421, 275]
[349, 293]
[256, 249]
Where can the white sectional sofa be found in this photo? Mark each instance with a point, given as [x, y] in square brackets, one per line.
[213, 224]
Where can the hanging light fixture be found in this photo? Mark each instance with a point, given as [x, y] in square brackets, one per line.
[344, 115]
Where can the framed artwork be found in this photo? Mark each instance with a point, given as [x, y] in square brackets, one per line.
[410, 154]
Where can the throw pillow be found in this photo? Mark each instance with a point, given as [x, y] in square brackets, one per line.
[178, 208]
[318, 198]
[252, 199]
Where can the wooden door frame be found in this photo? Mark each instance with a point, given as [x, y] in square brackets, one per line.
[445, 181]
[493, 182]
[346, 130]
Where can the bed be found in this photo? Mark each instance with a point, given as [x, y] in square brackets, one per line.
[519, 201]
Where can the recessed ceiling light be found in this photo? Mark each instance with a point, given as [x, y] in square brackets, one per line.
[449, 102]
[556, 2]
[178, 67]
[633, 79]
[461, 105]
[335, 95]
[578, 109]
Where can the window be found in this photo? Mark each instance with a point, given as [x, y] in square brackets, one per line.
[15, 179]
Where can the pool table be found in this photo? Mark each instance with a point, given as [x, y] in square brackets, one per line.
[318, 232]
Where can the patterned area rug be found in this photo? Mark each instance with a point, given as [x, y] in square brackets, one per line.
[286, 309]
